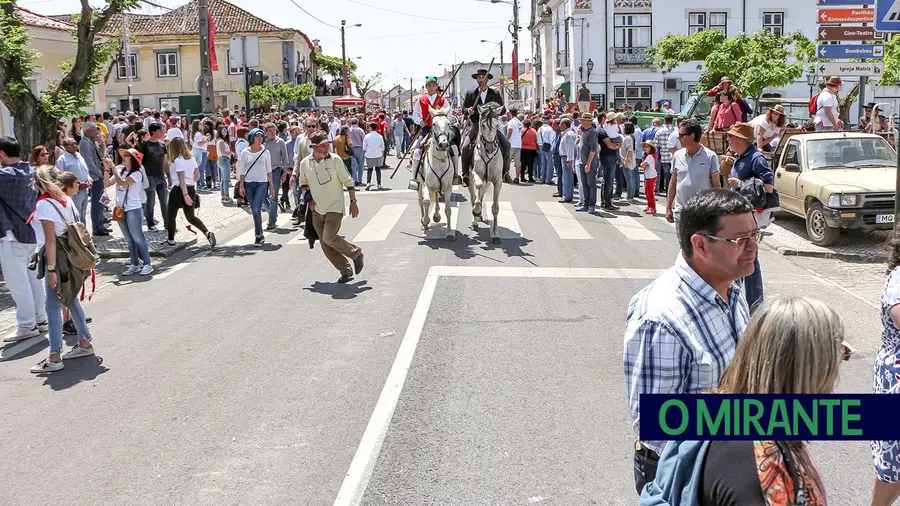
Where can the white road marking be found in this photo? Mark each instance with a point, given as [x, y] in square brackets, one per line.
[363, 464]
[566, 226]
[384, 192]
[378, 228]
[357, 478]
[632, 229]
[439, 230]
[509, 224]
[11, 351]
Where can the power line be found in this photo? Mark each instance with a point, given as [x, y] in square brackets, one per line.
[310, 15]
[421, 17]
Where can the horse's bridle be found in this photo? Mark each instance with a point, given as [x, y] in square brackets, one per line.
[489, 148]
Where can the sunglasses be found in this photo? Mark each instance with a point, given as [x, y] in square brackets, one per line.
[756, 236]
[683, 134]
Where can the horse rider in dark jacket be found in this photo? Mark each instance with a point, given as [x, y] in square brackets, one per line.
[480, 96]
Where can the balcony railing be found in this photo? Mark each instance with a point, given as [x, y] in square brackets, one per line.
[562, 59]
[630, 56]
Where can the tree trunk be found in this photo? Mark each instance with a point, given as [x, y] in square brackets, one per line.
[39, 129]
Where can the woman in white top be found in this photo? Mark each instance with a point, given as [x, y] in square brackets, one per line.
[223, 162]
[184, 173]
[767, 127]
[255, 172]
[128, 179]
[50, 220]
[200, 140]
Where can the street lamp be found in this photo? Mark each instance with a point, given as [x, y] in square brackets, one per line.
[514, 31]
[344, 54]
[590, 68]
[811, 79]
[502, 88]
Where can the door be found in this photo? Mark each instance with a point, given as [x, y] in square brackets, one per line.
[788, 183]
[169, 103]
[190, 104]
[123, 105]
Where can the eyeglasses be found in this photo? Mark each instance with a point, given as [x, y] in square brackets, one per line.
[743, 241]
[683, 134]
[43, 153]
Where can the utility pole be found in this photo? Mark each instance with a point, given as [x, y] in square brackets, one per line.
[344, 59]
[246, 74]
[515, 37]
[206, 78]
[410, 95]
[502, 71]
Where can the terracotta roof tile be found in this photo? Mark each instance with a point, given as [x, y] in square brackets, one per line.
[39, 21]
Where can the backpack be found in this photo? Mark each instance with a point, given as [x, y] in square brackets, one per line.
[678, 475]
[78, 244]
[813, 107]
[753, 190]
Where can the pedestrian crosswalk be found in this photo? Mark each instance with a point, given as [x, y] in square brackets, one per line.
[380, 219]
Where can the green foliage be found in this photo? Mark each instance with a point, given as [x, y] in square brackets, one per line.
[14, 53]
[891, 76]
[332, 65]
[280, 94]
[754, 61]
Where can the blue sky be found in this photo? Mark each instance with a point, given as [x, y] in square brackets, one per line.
[391, 40]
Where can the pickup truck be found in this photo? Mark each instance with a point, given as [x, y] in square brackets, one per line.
[836, 180]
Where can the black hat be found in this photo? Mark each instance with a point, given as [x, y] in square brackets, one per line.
[482, 72]
[871, 105]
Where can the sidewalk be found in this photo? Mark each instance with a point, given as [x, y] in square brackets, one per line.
[789, 238]
[215, 215]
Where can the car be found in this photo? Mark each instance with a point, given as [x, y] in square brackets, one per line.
[836, 181]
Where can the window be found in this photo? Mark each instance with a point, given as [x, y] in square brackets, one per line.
[566, 41]
[774, 22]
[232, 71]
[699, 21]
[792, 155]
[632, 94]
[632, 30]
[121, 66]
[696, 22]
[166, 64]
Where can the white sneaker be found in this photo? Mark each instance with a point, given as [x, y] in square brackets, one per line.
[146, 270]
[43, 327]
[77, 352]
[46, 365]
[132, 270]
[22, 334]
[154, 228]
[380, 187]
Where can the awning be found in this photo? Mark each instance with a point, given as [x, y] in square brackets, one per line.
[566, 87]
[349, 101]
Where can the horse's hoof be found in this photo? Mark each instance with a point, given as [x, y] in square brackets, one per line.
[437, 218]
[495, 240]
[451, 237]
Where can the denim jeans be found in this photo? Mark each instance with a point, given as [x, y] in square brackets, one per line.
[134, 236]
[97, 190]
[558, 165]
[568, 179]
[608, 166]
[159, 188]
[590, 186]
[546, 166]
[256, 196]
[629, 178]
[581, 191]
[360, 159]
[273, 201]
[81, 200]
[54, 318]
[621, 183]
[212, 170]
[224, 164]
[200, 157]
[665, 174]
[753, 284]
[636, 174]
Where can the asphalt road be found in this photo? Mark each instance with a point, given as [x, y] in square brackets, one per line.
[247, 376]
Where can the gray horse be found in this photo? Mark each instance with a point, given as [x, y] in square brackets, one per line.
[435, 172]
[488, 166]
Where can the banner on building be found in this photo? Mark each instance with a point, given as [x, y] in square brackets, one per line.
[213, 62]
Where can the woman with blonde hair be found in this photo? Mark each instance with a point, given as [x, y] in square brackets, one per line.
[793, 345]
[50, 220]
[185, 172]
[886, 454]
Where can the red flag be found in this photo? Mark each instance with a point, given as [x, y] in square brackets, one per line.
[213, 62]
[515, 66]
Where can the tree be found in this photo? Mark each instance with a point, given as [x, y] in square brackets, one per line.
[365, 84]
[753, 61]
[891, 75]
[279, 95]
[332, 65]
[35, 116]
[509, 84]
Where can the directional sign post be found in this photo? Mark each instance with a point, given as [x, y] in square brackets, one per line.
[843, 52]
[850, 69]
[887, 15]
[834, 16]
[854, 33]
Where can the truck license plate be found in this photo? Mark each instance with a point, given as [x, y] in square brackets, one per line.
[884, 218]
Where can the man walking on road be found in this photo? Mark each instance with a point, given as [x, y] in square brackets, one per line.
[694, 168]
[18, 200]
[682, 330]
[281, 162]
[93, 156]
[156, 163]
[665, 156]
[326, 176]
[359, 160]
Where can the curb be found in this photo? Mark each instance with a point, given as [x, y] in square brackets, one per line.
[857, 257]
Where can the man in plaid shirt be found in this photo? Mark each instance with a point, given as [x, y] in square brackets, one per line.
[665, 157]
[682, 329]
[18, 199]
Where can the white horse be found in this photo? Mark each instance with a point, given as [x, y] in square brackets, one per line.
[435, 172]
[488, 166]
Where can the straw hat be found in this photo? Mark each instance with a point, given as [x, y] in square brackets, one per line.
[778, 108]
[742, 131]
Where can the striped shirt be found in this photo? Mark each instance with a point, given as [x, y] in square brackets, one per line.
[662, 143]
[680, 336]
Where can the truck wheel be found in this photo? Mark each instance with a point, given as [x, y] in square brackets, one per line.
[817, 228]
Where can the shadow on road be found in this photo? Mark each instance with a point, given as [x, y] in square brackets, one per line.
[341, 291]
[75, 372]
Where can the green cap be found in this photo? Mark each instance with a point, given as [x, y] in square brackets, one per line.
[430, 79]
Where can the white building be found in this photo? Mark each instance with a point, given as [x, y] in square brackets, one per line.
[576, 45]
